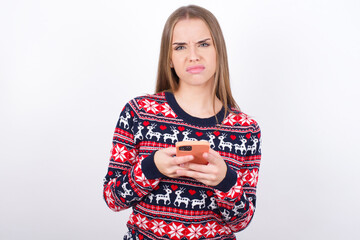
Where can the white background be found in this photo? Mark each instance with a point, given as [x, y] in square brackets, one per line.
[68, 67]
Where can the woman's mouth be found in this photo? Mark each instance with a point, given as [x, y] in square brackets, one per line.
[195, 69]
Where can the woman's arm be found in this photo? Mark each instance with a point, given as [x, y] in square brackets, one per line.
[125, 184]
[237, 204]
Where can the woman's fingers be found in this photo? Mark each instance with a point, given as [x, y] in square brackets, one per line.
[182, 160]
[211, 174]
[171, 151]
[192, 174]
[170, 165]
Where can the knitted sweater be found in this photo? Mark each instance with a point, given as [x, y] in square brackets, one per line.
[181, 208]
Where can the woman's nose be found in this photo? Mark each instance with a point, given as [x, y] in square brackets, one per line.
[193, 54]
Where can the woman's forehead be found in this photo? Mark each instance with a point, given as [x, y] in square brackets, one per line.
[190, 30]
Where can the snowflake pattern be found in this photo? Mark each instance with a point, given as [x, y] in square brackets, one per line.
[132, 156]
[142, 222]
[132, 218]
[241, 119]
[220, 194]
[235, 191]
[140, 177]
[150, 106]
[231, 119]
[108, 196]
[210, 229]
[176, 230]
[224, 230]
[194, 231]
[119, 153]
[253, 178]
[245, 120]
[244, 176]
[158, 227]
[167, 111]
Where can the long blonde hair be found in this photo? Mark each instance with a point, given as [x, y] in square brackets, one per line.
[167, 79]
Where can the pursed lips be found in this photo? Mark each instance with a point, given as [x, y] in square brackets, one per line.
[195, 69]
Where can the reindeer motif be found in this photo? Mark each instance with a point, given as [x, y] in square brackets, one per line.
[212, 205]
[237, 207]
[241, 147]
[164, 197]
[252, 148]
[127, 192]
[224, 144]
[211, 139]
[199, 202]
[150, 196]
[180, 199]
[139, 134]
[186, 138]
[173, 136]
[124, 120]
[226, 215]
[150, 134]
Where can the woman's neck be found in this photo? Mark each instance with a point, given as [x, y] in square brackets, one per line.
[197, 101]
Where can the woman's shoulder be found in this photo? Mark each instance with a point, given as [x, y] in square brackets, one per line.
[148, 100]
[236, 117]
[150, 97]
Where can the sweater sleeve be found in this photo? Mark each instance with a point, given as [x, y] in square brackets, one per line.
[236, 194]
[125, 183]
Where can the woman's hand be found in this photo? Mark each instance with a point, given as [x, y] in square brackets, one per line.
[211, 174]
[168, 164]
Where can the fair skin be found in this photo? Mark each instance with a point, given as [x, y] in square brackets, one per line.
[192, 47]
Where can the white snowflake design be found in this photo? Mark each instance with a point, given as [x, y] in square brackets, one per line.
[244, 176]
[120, 153]
[142, 222]
[211, 229]
[158, 227]
[150, 106]
[254, 177]
[194, 232]
[230, 120]
[176, 230]
[166, 110]
[245, 119]
[225, 229]
[109, 198]
[235, 190]
[140, 177]
[132, 157]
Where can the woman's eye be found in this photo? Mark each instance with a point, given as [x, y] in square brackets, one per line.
[204, 45]
[179, 48]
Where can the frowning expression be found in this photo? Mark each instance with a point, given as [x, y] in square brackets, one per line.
[193, 53]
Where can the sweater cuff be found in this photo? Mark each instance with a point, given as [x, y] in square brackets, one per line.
[229, 181]
[149, 168]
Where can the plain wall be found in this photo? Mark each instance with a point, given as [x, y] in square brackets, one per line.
[67, 68]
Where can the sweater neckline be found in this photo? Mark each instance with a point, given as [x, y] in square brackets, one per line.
[170, 98]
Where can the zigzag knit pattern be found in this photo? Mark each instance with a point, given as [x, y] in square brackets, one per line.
[181, 208]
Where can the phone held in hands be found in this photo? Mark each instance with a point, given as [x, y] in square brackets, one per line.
[195, 148]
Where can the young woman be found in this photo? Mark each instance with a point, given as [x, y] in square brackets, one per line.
[172, 197]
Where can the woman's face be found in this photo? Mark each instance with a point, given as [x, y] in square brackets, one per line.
[193, 53]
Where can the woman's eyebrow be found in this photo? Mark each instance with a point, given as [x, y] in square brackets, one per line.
[202, 41]
[184, 43]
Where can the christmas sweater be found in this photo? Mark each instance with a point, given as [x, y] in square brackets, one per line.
[181, 208]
